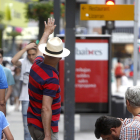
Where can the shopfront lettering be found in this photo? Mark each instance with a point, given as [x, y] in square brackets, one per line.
[88, 52]
[92, 8]
[96, 16]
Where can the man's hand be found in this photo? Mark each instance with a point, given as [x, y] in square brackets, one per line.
[3, 136]
[47, 138]
[49, 29]
[30, 46]
[49, 26]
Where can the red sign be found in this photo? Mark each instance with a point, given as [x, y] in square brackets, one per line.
[91, 71]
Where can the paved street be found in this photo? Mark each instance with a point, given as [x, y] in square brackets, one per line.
[15, 120]
[16, 127]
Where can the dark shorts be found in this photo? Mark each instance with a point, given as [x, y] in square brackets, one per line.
[37, 134]
[118, 76]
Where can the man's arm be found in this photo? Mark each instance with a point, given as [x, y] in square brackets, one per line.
[2, 101]
[46, 115]
[8, 133]
[9, 91]
[11, 82]
[49, 29]
[15, 59]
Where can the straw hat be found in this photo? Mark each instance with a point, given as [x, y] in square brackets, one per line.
[54, 47]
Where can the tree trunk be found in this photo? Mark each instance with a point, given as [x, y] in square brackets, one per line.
[41, 27]
[41, 24]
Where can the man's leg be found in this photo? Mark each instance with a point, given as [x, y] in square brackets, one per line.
[36, 133]
[39, 135]
[27, 135]
[31, 130]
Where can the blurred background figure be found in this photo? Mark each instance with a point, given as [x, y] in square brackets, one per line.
[17, 87]
[9, 77]
[25, 65]
[124, 80]
[3, 87]
[118, 74]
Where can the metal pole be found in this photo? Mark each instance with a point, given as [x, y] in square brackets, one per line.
[41, 24]
[57, 16]
[135, 42]
[69, 95]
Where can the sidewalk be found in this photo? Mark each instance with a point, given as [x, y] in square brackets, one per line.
[16, 126]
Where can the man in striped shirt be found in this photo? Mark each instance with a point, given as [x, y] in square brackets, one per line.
[110, 128]
[44, 90]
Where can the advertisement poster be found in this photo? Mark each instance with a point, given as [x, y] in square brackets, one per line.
[91, 72]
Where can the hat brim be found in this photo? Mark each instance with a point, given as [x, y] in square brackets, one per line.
[65, 52]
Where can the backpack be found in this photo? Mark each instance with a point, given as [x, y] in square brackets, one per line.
[118, 70]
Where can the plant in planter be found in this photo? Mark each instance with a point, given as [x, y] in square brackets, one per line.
[13, 33]
[41, 11]
[36, 10]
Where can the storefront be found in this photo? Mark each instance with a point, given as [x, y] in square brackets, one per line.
[122, 48]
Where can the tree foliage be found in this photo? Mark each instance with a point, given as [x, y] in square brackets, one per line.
[34, 10]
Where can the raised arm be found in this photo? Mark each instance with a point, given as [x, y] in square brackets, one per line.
[49, 29]
[15, 59]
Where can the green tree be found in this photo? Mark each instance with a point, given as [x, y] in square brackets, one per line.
[41, 11]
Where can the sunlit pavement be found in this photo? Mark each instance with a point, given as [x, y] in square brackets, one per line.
[16, 126]
[122, 88]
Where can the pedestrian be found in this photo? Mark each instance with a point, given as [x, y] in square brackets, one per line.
[5, 132]
[132, 97]
[9, 77]
[25, 65]
[3, 87]
[110, 128]
[118, 74]
[44, 89]
[124, 80]
[17, 87]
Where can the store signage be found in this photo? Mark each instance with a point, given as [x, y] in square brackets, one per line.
[106, 12]
[91, 72]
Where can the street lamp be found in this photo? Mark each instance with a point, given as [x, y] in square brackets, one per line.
[110, 2]
[110, 24]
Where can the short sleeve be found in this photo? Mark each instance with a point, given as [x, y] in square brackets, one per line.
[21, 60]
[3, 80]
[39, 59]
[4, 121]
[10, 78]
[51, 87]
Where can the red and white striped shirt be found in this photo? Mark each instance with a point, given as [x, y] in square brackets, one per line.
[130, 130]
